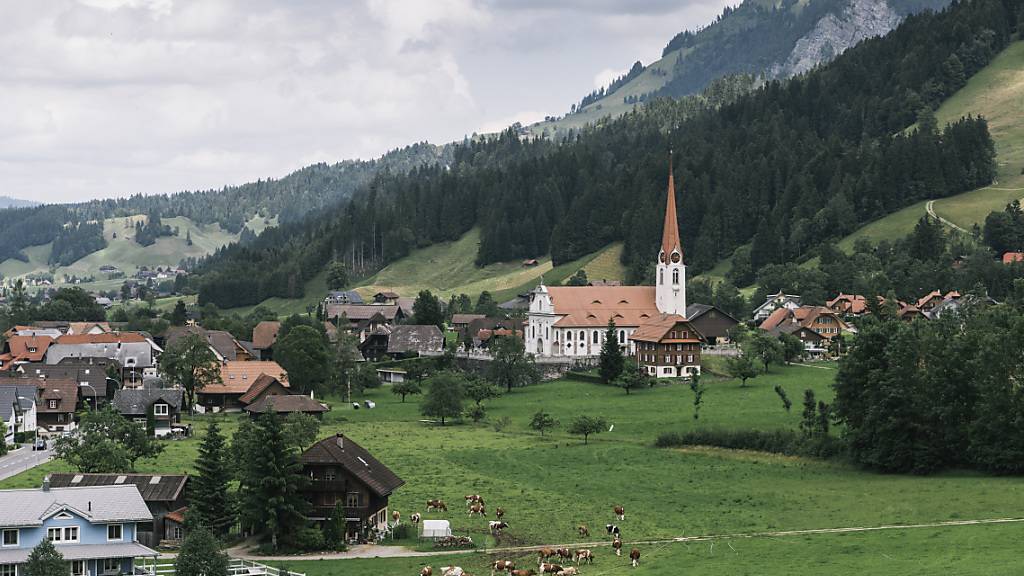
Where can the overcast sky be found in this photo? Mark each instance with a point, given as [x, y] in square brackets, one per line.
[103, 98]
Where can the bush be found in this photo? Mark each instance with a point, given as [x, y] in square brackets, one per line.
[24, 437]
[501, 423]
[477, 413]
[584, 377]
[403, 532]
[787, 442]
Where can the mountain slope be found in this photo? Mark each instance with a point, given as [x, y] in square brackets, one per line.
[8, 202]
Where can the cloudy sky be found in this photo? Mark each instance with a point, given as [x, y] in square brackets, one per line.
[104, 98]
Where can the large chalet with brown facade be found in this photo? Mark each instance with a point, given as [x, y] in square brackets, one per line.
[667, 347]
[821, 319]
[341, 471]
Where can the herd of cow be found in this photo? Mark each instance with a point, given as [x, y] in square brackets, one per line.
[546, 557]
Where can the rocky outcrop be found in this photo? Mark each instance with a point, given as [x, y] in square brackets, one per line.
[835, 33]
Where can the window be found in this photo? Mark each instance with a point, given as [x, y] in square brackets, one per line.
[60, 417]
[111, 565]
[661, 276]
[52, 404]
[689, 359]
[675, 276]
[568, 335]
[583, 337]
[622, 336]
[177, 533]
[115, 532]
[160, 409]
[329, 474]
[352, 500]
[8, 570]
[78, 568]
[71, 533]
[54, 534]
[10, 537]
[595, 337]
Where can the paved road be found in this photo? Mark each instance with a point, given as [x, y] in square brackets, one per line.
[23, 459]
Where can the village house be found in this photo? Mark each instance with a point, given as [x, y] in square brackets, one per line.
[17, 410]
[343, 297]
[818, 318]
[223, 345]
[142, 404]
[712, 323]
[94, 387]
[848, 304]
[56, 401]
[242, 383]
[386, 297]
[460, 323]
[814, 344]
[135, 352]
[17, 350]
[264, 336]
[773, 302]
[162, 493]
[668, 347]
[363, 319]
[94, 528]
[285, 404]
[343, 472]
[402, 341]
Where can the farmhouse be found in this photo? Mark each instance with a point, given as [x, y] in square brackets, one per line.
[773, 302]
[668, 347]
[17, 410]
[221, 343]
[135, 352]
[264, 336]
[287, 404]
[162, 493]
[570, 321]
[242, 379]
[818, 318]
[141, 405]
[712, 323]
[343, 472]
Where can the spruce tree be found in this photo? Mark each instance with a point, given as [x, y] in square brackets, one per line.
[211, 504]
[45, 560]
[201, 555]
[272, 499]
[611, 356]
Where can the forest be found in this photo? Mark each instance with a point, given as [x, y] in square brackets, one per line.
[786, 167]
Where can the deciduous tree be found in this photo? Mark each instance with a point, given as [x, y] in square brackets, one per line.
[190, 364]
[587, 425]
[542, 421]
[304, 355]
[444, 397]
[45, 560]
[512, 367]
[200, 554]
[405, 388]
[740, 367]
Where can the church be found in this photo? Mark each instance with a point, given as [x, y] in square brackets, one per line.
[650, 325]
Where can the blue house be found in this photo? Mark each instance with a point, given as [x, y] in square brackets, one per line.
[93, 527]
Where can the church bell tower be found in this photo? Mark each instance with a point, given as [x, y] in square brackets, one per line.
[670, 277]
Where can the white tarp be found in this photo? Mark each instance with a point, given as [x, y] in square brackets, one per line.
[436, 529]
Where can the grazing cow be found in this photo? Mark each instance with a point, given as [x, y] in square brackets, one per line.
[502, 566]
[452, 571]
[546, 568]
[617, 546]
[584, 556]
[620, 512]
[497, 526]
[570, 571]
[474, 499]
[436, 505]
[478, 509]
[396, 517]
[564, 554]
[415, 517]
[545, 553]
[634, 557]
[499, 512]
[427, 571]
[613, 530]
[583, 530]
[529, 572]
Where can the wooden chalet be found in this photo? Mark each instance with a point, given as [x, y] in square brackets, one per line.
[285, 404]
[241, 384]
[667, 347]
[713, 323]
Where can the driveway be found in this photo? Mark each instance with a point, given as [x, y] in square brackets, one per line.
[24, 458]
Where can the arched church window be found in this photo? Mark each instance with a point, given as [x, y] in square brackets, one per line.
[583, 337]
[675, 276]
[622, 336]
[595, 337]
[661, 276]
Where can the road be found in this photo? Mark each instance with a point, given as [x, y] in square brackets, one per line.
[18, 461]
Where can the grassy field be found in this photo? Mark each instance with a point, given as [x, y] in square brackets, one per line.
[607, 265]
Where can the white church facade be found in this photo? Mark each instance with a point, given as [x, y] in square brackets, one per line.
[571, 321]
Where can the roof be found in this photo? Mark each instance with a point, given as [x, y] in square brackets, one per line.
[238, 377]
[793, 329]
[670, 232]
[50, 389]
[694, 311]
[259, 386]
[105, 338]
[351, 296]
[928, 297]
[1011, 257]
[386, 294]
[286, 403]
[152, 487]
[804, 316]
[657, 329]
[222, 342]
[22, 347]
[98, 504]
[83, 552]
[138, 401]
[362, 311]
[466, 318]
[264, 335]
[11, 394]
[177, 515]
[415, 338]
[341, 450]
[595, 305]
[857, 304]
[85, 327]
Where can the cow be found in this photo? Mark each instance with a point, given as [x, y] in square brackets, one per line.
[584, 556]
[620, 512]
[436, 505]
[564, 554]
[545, 553]
[396, 517]
[499, 512]
[502, 566]
[546, 568]
[474, 499]
[634, 557]
[570, 571]
[496, 526]
[415, 517]
[529, 572]
[478, 509]
[452, 571]
[583, 530]
[617, 546]
[427, 571]
[613, 530]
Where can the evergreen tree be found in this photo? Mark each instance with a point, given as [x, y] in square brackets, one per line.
[426, 310]
[180, 314]
[611, 361]
[210, 505]
[45, 560]
[200, 555]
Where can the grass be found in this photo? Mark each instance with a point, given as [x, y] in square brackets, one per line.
[607, 265]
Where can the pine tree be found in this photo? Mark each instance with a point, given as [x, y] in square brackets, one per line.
[45, 560]
[211, 505]
[611, 361]
[201, 555]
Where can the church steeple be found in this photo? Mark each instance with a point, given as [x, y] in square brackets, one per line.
[670, 291]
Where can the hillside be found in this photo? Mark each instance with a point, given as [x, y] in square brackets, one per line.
[771, 38]
[8, 202]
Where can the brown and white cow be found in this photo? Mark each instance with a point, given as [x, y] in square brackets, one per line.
[546, 568]
[545, 553]
[415, 517]
[527, 572]
[617, 546]
[620, 512]
[474, 499]
[613, 530]
[502, 566]
[452, 571]
[499, 512]
[436, 505]
[427, 571]
[584, 556]
[634, 557]
[583, 530]
[396, 517]
[564, 554]
[496, 526]
[570, 571]
[478, 509]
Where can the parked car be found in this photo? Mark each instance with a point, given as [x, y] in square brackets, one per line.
[39, 444]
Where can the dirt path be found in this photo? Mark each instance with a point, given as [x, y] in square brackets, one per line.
[366, 551]
[931, 212]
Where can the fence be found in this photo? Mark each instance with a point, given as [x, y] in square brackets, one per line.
[236, 567]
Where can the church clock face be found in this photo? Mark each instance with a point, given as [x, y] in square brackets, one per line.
[675, 258]
[661, 257]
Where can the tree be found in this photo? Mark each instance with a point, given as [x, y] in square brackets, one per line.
[365, 377]
[301, 429]
[210, 505]
[486, 305]
[200, 554]
[633, 377]
[740, 367]
[698, 394]
[579, 278]
[781, 392]
[179, 315]
[444, 397]
[512, 367]
[106, 442]
[405, 388]
[792, 347]
[611, 361]
[542, 421]
[304, 355]
[345, 363]
[587, 425]
[45, 560]
[809, 419]
[190, 364]
[334, 527]
[479, 390]
[764, 347]
[337, 275]
[426, 310]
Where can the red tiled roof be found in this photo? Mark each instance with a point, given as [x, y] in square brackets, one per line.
[595, 305]
[21, 348]
[1011, 257]
[258, 387]
[238, 377]
[670, 232]
[264, 335]
[107, 338]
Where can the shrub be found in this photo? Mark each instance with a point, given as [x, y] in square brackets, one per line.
[780, 441]
[477, 413]
[584, 377]
[403, 532]
[501, 423]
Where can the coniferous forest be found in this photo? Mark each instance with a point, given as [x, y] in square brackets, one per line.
[786, 168]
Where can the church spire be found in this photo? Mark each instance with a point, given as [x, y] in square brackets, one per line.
[670, 233]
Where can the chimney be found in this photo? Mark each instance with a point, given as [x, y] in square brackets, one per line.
[90, 506]
[340, 439]
[46, 484]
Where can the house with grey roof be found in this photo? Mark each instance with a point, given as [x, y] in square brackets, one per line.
[94, 528]
[140, 405]
[17, 410]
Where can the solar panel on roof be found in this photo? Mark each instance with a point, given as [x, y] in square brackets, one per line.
[154, 480]
[120, 479]
[76, 479]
